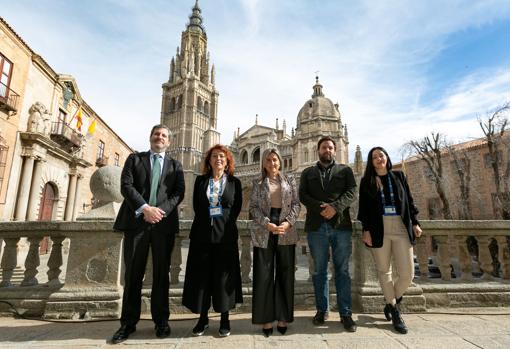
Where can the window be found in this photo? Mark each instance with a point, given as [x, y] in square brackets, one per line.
[172, 105]
[5, 75]
[244, 157]
[116, 159]
[306, 155]
[487, 159]
[206, 108]
[199, 104]
[100, 150]
[434, 208]
[256, 155]
[179, 104]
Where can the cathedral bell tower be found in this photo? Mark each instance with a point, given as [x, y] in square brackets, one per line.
[190, 102]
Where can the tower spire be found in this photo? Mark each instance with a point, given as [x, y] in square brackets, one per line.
[195, 19]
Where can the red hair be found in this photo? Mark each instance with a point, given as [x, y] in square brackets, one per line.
[229, 168]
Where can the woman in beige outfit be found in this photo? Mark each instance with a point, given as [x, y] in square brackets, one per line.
[390, 227]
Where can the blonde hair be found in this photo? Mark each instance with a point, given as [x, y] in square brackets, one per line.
[265, 154]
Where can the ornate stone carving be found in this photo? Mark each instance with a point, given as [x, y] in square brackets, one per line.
[39, 120]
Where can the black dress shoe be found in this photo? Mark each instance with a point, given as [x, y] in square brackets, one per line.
[348, 322]
[122, 334]
[398, 322]
[224, 329]
[200, 328]
[267, 332]
[281, 329]
[162, 331]
[320, 317]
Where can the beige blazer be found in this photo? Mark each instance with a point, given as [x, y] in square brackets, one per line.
[260, 207]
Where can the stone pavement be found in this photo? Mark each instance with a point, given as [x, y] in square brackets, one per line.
[463, 328]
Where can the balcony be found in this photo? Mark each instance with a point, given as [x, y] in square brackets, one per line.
[102, 161]
[65, 136]
[8, 99]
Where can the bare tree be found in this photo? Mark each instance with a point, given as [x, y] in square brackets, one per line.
[462, 167]
[430, 149]
[494, 127]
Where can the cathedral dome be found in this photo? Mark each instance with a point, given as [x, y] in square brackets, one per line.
[317, 106]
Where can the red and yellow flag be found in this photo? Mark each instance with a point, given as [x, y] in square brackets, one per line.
[79, 119]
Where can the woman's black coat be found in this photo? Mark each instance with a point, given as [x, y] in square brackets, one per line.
[370, 211]
[224, 229]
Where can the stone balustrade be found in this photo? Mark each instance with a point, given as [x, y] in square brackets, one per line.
[85, 280]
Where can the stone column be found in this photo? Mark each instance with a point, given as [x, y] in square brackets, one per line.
[76, 206]
[35, 197]
[71, 192]
[24, 189]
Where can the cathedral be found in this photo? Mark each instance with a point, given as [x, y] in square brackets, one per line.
[189, 109]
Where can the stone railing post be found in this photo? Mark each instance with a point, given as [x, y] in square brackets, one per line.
[485, 256]
[32, 262]
[444, 257]
[55, 261]
[504, 256]
[9, 261]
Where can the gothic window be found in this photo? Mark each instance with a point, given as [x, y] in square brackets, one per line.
[256, 155]
[285, 164]
[172, 104]
[290, 164]
[5, 75]
[306, 155]
[116, 159]
[180, 102]
[199, 104]
[206, 108]
[244, 157]
[3, 160]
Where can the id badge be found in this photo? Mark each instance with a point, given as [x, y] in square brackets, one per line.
[390, 211]
[215, 211]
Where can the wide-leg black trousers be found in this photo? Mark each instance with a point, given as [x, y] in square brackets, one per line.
[273, 282]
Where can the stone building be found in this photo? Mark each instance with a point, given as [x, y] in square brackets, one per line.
[46, 158]
[475, 160]
[318, 117]
[189, 104]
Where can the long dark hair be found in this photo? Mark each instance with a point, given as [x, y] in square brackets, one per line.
[370, 173]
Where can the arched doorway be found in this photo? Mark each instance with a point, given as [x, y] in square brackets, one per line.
[46, 211]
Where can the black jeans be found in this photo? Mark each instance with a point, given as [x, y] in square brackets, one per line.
[273, 280]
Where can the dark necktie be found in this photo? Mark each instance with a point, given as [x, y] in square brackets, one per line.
[156, 173]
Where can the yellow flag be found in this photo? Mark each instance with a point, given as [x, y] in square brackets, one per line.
[92, 128]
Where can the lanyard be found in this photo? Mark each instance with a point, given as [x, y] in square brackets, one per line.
[390, 189]
[211, 191]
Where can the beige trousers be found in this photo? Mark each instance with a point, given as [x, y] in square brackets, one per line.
[395, 244]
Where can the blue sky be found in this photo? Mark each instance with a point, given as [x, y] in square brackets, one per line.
[398, 69]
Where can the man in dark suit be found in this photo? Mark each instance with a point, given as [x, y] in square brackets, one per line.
[152, 184]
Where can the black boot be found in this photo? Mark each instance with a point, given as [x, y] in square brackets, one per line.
[396, 318]
[387, 311]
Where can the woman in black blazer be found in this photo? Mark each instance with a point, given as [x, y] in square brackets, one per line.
[390, 227]
[213, 273]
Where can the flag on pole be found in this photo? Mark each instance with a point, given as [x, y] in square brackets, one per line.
[92, 128]
[79, 118]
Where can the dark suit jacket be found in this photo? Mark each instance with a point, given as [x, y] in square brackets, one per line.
[135, 188]
[370, 211]
[339, 193]
[224, 229]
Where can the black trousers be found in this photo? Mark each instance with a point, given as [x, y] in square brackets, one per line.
[273, 282]
[136, 250]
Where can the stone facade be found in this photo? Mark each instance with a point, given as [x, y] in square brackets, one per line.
[48, 162]
[190, 102]
[318, 117]
[482, 188]
[16, 56]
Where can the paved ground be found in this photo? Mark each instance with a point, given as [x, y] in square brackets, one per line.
[473, 328]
